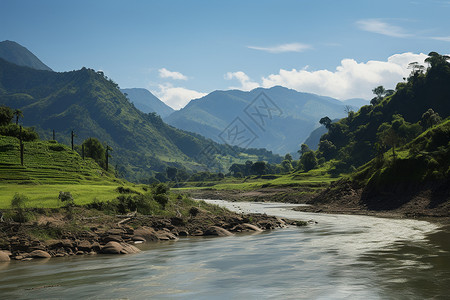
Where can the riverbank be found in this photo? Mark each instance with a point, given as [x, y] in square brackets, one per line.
[344, 199]
[83, 231]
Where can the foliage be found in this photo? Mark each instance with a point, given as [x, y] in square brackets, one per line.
[18, 204]
[394, 120]
[6, 114]
[27, 134]
[95, 150]
[308, 161]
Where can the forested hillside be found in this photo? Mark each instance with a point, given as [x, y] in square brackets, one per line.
[92, 105]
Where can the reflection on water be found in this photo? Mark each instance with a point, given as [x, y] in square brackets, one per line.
[341, 257]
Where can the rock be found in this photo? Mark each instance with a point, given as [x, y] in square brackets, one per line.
[112, 248]
[138, 239]
[84, 245]
[129, 249]
[183, 233]
[113, 238]
[251, 227]
[218, 231]
[198, 232]
[39, 254]
[119, 248]
[115, 231]
[95, 246]
[146, 233]
[164, 235]
[66, 243]
[4, 256]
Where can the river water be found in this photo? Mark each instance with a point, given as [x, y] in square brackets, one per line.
[340, 257]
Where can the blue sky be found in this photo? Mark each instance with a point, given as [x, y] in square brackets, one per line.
[183, 49]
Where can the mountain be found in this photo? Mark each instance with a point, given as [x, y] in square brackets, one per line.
[279, 118]
[93, 106]
[147, 102]
[19, 55]
[313, 139]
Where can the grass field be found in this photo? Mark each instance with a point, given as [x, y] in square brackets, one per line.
[313, 179]
[49, 168]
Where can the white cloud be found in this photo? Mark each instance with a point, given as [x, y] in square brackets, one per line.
[292, 47]
[377, 26]
[246, 83]
[350, 80]
[176, 97]
[164, 73]
[442, 38]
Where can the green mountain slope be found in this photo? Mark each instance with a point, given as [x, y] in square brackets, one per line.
[19, 55]
[47, 162]
[357, 137]
[147, 102]
[291, 118]
[86, 102]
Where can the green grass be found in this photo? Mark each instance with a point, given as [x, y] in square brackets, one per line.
[313, 179]
[49, 168]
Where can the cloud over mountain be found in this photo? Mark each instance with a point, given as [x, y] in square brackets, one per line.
[351, 79]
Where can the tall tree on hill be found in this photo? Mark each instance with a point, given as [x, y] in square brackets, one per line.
[18, 113]
[95, 150]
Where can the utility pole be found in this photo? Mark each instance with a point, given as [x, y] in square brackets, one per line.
[54, 135]
[21, 146]
[82, 151]
[108, 148]
[73, 135]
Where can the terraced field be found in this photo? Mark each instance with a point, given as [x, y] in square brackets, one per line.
[50, 167]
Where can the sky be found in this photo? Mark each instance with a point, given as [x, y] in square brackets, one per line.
[181, 50]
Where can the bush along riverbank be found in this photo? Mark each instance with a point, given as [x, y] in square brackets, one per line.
[93, 229]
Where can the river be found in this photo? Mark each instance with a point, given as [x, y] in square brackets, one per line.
[340, 257]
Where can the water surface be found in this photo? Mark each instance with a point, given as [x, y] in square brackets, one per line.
[340, 257]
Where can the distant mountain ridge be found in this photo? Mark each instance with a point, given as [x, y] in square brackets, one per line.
[290, 119]
[146, 102]
[93, 106]
[19, 55]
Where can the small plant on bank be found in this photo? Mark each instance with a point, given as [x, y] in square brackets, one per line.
[18, 204]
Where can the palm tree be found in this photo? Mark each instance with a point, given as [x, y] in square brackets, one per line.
[18, 113]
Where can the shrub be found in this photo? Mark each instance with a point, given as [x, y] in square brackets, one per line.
[161, 188]
[18, 204]
[66, 197]
[162, 199]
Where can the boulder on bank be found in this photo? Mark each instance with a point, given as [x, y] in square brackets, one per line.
[146, 233]
[39, 254]
[251, 227]
[119, 248]
[218, 231]
[4, 256]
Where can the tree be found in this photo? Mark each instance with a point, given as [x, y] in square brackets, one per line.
[379, 91]
[95, 150]
[18, 113]
[303, 149]
[288, 157]
[308, 161]
[6, 114]
[388, 136]
[327, 148]
[435, 59]
[259, 167]
[325, 121]
[286, 165]
[430, 118]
